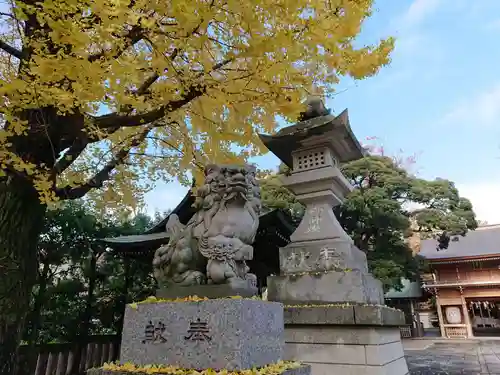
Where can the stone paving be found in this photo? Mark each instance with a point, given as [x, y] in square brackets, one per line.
[453, 358]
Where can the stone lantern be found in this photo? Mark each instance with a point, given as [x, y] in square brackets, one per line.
[334, 314]
[321, 263]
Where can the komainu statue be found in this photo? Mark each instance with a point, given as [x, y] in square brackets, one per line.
[214, 246]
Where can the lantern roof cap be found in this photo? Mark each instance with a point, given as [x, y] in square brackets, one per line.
[316, 120]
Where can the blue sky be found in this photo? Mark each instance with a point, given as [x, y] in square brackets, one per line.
[439, 98]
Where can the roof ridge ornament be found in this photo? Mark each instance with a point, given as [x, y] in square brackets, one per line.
[315, 107]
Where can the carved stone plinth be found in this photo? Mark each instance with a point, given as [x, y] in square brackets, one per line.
[324, 271]
[233, 334]
[355, 340]
[325, 287]
[321, 255]
[322, 264]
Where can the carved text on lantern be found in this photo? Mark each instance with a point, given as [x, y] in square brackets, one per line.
[328, 258]
[314, 224]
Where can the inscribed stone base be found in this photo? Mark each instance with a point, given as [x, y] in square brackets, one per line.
[355, 340]
[321, 255]
[208, 291]
[302, 370]
[231, 334]
[325, 287]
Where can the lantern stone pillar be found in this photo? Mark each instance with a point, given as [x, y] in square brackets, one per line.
[334, 314]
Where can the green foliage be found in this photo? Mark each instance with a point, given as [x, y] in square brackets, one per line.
[445, 210]
[109, 296]
[60, 314]
[275, 196]
[65, 249]
[387, 206]
[380, 214]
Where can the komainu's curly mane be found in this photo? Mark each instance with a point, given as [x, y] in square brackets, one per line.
[221, 232]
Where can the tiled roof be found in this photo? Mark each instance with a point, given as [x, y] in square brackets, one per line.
[136, 238]
[279, 221]
[484, 241]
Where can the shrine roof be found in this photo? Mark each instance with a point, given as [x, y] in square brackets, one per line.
[275, 220]
[484, 242]
[136, 238]
[155, 236]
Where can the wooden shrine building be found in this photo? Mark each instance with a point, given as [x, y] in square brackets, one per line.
[465, 280]
[275, 228]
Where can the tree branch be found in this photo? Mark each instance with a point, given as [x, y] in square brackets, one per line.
[11, 50]
[115, 119]
[144, 87]
[103, 175]
[154, 77]
[9, 15]
[134, 36]
[70, 156]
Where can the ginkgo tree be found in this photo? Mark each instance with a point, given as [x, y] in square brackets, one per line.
[115, 94]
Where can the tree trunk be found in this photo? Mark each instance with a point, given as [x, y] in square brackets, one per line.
[35, 317]
[83, 337]
[36, 312]
[124, 296]
[21, 221]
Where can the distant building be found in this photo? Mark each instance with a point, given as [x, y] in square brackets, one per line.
[408, 299]
[465, 280]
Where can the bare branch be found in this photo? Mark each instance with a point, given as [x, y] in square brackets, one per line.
[173, 147]
[142, 89]
[11, 50]
[103, 175]
[4, 14]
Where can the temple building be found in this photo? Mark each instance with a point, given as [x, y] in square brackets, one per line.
[465, 280]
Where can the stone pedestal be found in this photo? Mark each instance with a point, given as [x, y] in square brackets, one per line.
[233, 334]
[325, 269]
[352, 340]
[325, 287]
[218, 334]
